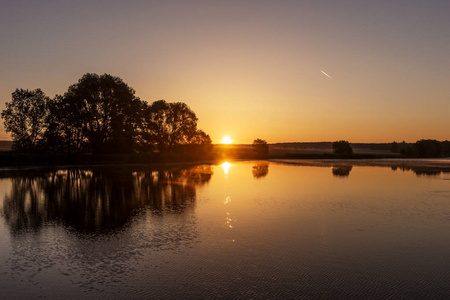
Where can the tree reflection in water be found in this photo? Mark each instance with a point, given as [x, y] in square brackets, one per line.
[425, 170]
[341, 171]
[260, 170]
[98, 200]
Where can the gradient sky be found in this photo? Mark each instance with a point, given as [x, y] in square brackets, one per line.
[249, 69]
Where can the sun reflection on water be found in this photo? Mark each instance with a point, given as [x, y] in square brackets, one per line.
[226, 166]
[229, 220]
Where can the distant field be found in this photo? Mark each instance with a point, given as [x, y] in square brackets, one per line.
[371, 151]
[246, 151]
[5, 145]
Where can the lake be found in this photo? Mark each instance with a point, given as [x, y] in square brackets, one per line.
[247, 229]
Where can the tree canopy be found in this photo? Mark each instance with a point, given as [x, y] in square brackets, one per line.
[108, 111]
[342, 147]
[99, 114]
[260, 146]
[25, 118]
[169, 125]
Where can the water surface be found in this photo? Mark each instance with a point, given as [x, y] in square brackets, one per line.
[242, 229]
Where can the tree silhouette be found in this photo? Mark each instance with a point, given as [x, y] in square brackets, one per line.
[25, 116]
[260, 147]
[64, 128]
[107, 110]
[394, 147]
[100, 114]
[200, 142]
[167, 125]
[445, 148]
[342, 147]
[427, 148]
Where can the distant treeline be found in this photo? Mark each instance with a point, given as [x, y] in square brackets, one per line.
[100, 114]
[422, 148]
[328, 146]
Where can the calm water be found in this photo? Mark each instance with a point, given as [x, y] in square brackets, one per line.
[240, 230]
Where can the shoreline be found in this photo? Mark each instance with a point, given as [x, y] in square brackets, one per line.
[422, 163]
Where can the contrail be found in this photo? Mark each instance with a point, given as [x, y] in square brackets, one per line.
[326, 74]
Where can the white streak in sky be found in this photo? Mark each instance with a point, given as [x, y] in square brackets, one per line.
[326, 74]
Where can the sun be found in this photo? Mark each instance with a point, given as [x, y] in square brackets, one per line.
[226, 140]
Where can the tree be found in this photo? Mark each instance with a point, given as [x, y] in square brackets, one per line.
[260, 147]
[53, 136]
[64, 132]
[427, 148]
[200, 142]
[106, 113]
[167, 125]
[394, 147]
[25, 116]
[445, 149]
[342, 147]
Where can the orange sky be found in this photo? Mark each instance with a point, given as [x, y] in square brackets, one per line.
[249, 69]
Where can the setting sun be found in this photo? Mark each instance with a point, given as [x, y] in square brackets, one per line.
[226, 140]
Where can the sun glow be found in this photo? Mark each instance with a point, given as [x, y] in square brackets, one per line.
[226, 140]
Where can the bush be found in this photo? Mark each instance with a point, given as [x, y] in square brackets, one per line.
[261, 147]
[342, 147]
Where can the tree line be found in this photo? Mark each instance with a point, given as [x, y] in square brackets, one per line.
[100, 114]
[422, 148]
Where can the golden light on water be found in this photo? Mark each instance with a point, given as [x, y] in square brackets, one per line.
[226, 140]
[226, 166]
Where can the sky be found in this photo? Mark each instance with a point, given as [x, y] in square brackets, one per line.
[283, 71]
